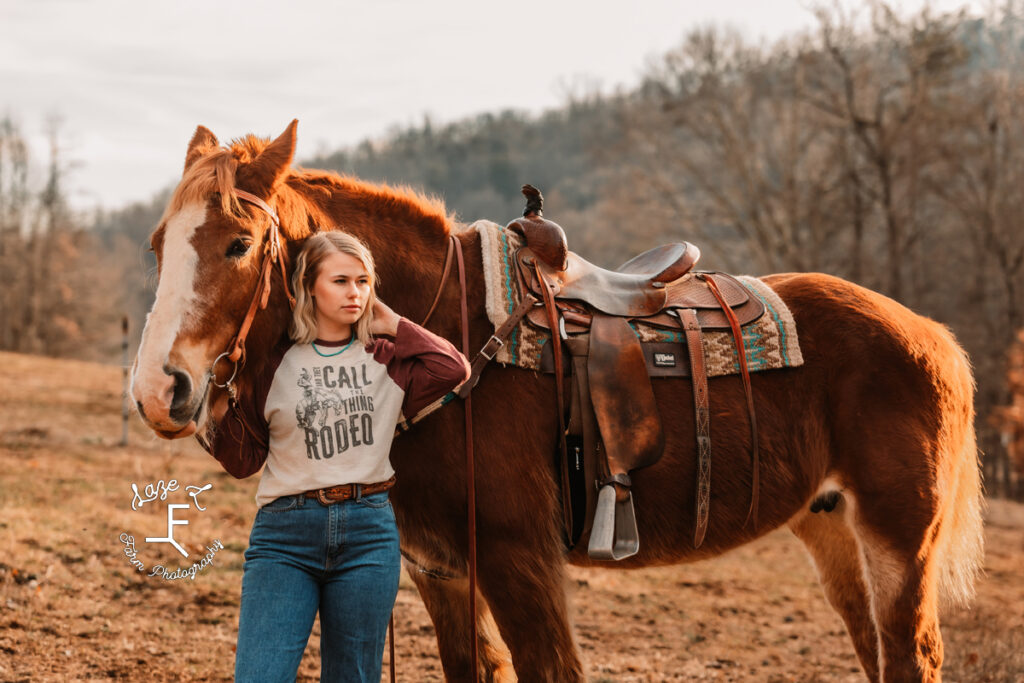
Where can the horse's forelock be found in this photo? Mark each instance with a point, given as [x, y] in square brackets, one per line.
[210, 174]
[299, 199]
[216, 172]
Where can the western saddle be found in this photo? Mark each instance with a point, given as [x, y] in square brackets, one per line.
[613, 425]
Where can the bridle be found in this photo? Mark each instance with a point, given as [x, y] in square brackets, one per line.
[273, 252]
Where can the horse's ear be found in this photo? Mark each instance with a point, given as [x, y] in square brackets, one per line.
[270, 166]
[202, 142]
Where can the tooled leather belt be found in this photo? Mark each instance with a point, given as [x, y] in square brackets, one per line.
[336, 494]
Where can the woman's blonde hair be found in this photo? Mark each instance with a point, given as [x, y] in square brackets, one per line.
[303, 327]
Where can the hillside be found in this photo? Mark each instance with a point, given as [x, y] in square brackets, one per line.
[74, 608]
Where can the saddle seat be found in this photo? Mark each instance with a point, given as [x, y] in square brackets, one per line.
[547, 240]
[637, 289]
[666, 263]
[582, 290]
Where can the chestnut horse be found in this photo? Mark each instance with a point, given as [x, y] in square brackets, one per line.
[879, 419]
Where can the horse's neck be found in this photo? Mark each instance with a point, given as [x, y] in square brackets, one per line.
[408, 252]
[408, 278]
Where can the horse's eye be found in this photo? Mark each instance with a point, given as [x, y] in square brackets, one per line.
[239, 247]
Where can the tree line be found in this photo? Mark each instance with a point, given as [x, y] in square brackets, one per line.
[885, 149]
[60, 288]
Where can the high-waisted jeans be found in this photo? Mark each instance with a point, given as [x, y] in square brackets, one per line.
[303, 556]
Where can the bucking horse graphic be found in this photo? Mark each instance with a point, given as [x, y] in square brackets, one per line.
[315, 403]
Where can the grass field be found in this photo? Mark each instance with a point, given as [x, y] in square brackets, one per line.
[73, 607]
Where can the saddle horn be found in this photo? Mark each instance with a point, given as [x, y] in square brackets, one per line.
[534, 201]
[546, 238]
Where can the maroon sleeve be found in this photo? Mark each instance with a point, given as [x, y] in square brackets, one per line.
[241, 437]
[425, 365]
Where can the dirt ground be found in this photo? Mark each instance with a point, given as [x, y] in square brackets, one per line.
[73, 607]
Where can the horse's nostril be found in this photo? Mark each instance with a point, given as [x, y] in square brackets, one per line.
[182, 389]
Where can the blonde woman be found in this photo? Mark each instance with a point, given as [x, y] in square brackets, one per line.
[319, 420]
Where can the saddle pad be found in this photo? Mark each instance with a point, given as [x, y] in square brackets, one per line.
[771, 341]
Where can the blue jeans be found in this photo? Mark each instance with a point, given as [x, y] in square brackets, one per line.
[303, 556]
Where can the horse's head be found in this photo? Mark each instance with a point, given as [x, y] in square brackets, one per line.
[209, 249]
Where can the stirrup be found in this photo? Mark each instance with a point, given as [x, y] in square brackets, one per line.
[614, 535]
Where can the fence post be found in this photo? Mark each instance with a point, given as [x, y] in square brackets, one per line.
[125, 411]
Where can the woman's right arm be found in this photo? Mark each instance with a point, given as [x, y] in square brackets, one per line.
[240, 437]
[241, 433]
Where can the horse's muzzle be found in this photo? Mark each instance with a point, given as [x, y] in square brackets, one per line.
[172, 408]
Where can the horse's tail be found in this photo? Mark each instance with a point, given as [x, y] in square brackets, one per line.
[961, 550]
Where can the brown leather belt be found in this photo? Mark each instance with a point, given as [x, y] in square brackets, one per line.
[336, 494]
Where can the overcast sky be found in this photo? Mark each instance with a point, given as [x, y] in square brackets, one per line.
[131, 80]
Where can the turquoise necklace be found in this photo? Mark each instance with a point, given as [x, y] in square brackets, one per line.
[336, 353]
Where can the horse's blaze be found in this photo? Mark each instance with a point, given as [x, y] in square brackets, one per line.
[160, 350]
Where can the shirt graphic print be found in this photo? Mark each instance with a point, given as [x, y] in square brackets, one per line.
[334, 411]
[330, 420]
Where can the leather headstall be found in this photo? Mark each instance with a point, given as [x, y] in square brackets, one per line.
[273, 252]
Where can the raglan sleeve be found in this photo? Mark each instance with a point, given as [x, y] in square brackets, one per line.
[423, 364]
[240, 438]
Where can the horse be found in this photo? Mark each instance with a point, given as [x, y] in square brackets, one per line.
[878, 421]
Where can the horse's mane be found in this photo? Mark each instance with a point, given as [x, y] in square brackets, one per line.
[296, 198]
[400, 201]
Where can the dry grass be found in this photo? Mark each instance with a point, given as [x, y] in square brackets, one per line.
[72, 608]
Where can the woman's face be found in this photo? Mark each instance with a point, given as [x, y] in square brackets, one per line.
[340, 293]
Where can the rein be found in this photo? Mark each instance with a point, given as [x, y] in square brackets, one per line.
[454, 245]
[470, 469]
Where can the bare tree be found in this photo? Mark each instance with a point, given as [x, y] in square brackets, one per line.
[888, 152]
[719, 139]
[56, 278]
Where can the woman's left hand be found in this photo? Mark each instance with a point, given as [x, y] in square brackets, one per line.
[385, 320]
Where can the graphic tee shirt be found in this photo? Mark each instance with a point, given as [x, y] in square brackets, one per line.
[324, 421]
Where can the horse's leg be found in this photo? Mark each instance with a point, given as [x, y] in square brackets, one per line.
[896, 535]
[525, 588]
[914, 502]
[447, 602]
[833, 547]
